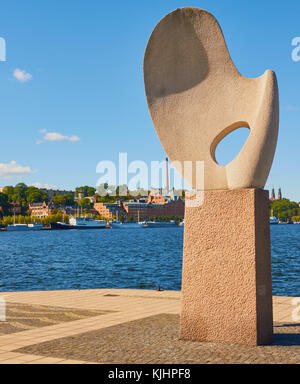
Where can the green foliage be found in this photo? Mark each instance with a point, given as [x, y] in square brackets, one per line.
[86, 191]
[35, 195]
[64, 200]
[84, 203]
[284, 209]
[24, 195]
[296, 219]
[4, 204]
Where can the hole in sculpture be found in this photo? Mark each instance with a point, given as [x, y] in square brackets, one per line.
[232, 144]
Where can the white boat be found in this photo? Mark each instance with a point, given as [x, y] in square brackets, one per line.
[35, 226]
[86, 223]
[127, 225]
[161, 224]
[274, 220]
[24, 227]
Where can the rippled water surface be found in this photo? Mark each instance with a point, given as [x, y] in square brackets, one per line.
[143, 258]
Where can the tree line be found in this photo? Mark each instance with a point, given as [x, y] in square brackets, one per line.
[285, 210]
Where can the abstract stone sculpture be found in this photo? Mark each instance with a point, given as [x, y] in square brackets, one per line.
[196, 97]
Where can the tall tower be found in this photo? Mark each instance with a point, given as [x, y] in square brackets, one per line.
[167, 175]
[279, 194]
[273, 195]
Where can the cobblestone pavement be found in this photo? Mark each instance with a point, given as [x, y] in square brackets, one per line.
[124, 326]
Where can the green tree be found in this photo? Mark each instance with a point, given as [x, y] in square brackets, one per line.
[35, 195]
[84, 203]
[85, 190]
[69, 200]
[9, 191]
[4, 205]
[284, 209]
[20, 190]
[91, 191]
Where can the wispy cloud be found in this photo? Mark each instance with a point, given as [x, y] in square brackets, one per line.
[44, 186]
[13, 169]
[55, 136]
[22, 75]
[291, 108]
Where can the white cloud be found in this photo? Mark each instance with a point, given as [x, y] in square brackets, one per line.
[44, 186]
[22, 75]
[55, 136]
[13, 169]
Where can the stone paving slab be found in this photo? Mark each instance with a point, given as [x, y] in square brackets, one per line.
[117, 307]
[20, 317]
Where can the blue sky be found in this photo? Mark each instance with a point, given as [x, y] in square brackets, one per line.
[77, 96]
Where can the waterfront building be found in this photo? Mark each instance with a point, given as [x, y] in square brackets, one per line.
[156, 197]
[140, 209]
[108, 210]
[41, 210]
[144, 211]
[279, 194]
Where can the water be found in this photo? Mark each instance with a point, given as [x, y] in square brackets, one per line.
[285, 246]
[142, 259]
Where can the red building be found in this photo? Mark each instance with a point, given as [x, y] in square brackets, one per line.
[141, 209]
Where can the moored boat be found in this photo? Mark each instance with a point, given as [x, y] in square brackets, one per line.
[24, 227]
[35, 226]
[126, 225]
[59, 226]
[86, 223]
[274, 221]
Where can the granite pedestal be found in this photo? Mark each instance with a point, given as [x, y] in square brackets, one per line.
[227, 284]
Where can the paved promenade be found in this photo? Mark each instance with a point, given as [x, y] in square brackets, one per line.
[122, 326]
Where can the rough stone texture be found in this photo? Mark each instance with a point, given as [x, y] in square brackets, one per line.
[227, 286]
[154, 340]
[196, 97]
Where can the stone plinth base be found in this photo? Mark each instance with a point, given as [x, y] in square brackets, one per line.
[227, 284]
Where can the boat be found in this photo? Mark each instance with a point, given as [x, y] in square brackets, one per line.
[17, 227]
[274, 220]
[59, 226]
[126, 225]
[86, 223]
[161, 224]
[24, 227]
[35, 226]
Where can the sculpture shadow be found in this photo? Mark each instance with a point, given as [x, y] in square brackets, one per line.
[175, 59]
[286, 339]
